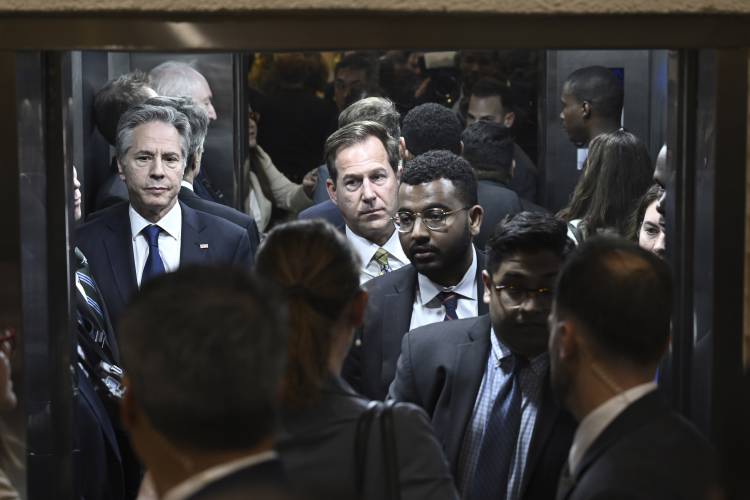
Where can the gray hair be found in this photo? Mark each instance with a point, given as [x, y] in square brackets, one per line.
[196, 115]
[140, 115]
[175, 78]
[356, 133]
[376, 109]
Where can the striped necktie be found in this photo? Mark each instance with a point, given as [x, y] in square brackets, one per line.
[450, 303]
[381, 258]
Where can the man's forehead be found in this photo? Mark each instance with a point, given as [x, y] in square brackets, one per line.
[542, 263]
[157, 131]
[492, 103]
[439, 191]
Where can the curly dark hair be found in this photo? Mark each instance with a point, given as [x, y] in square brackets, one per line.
[431, 126]
[441, 164]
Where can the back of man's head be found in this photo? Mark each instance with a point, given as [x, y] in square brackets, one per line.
[441, 164]
[175, 78]
[529, 233]
[431, 126]
[357, 62]
[112, 100]
[197, 117]
[622, 295]
[600, 87]
[204, 352]
[488, 146]
[375, 109]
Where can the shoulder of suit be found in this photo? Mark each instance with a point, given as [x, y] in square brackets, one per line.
[444, 332]
[215, 222]
[102, 217]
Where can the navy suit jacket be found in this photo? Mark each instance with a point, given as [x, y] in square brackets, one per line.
[497, 201]
[265, 480]
[326, 210]
[441, 369]
[648, 451]
[371, 363]
[107, 243]
[234, 216]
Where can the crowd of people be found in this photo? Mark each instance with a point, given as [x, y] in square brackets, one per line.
[424, 331]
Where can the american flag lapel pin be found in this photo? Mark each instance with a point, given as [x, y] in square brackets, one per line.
[204, 246]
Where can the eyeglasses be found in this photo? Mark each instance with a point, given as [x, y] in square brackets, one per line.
[434, 218]
[515, 296]
[8, 335]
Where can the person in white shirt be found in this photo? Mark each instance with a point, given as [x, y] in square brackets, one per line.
[610, 327]
[363, 161]
[204, 351]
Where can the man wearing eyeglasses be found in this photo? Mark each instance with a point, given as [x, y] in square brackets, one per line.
[437, 217]
[485, 381]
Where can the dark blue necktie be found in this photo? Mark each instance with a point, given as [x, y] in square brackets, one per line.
[499, 441]
[450, 302]
[154, 265]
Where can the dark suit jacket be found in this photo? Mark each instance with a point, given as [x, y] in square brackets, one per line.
[234, 216]
[441, 368]
[318, 451]
[326, 210]
[265, 480]
[497, 202]
[371, 363]
[647, 452]
[524, 179]
[107, 243]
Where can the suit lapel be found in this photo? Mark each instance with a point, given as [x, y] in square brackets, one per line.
[481, 306]
[470, 364]
[193, 248]
[118, 244]
[548, 416]
[397, 309]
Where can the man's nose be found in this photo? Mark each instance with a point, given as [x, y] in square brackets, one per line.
[211, 112]
[157, 168]
[420, 231]
[660, 246]
[368, 193]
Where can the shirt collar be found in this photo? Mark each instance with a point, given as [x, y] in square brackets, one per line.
[596, 421]
[199, 481]
[171, 223]
[467, 287]
[186, 184]
[366, 249]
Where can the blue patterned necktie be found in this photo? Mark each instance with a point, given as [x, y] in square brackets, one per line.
[499, 441]
[450, 302]
[154, 265]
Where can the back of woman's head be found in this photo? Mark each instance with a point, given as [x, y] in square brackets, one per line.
[313, 264]
[618, 172]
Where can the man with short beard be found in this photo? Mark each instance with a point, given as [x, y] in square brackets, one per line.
[437, 216]
[484, 381]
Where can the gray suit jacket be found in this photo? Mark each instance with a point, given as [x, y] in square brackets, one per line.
[317, 449]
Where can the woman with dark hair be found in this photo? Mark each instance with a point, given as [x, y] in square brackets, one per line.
[617, 173]
[646, 225]
[318, 271]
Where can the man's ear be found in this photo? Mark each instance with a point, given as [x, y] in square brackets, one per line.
[402, 147]
[568, 339]
[475, 219]
[461, 149]
[509, 119]
[586, 109]
[331, 188]
[119, 170]
[487, 284]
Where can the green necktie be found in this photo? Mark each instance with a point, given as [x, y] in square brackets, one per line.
[381, 257]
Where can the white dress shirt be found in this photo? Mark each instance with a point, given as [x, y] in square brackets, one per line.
[186, 184]
[199, 481]
[427, 307]
[366, 250]
[596, 421]
[169, 239]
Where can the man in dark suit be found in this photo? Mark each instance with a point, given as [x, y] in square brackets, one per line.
[484, 381]
[436, 218]
[198, 119]
[202, 431]
[610, 326]
[132, 242]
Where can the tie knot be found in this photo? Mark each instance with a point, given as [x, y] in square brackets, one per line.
[518, 363]
[151, 233]
[447, 297]
[381, 257]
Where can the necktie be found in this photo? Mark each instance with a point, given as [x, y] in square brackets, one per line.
[381, 257]
[92, 296]
[450, 302]
[499, 442]
[154, 265]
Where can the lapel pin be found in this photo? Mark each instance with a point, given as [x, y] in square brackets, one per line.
[204, 245]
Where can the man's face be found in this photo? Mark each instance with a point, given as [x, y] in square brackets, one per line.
[153, 168]
[663, 177]
[572, 117]
[519, 316]
[438, 253]
[366, 189]
[346, 81]
[488, 108]
[652, 234]
[76, 196]
[203, 97]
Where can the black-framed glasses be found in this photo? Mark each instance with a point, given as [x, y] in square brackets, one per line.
[434, 218]
[515, 296]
